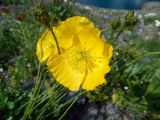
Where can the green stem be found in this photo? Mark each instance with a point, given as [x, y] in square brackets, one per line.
[120, 31]
[50, 103]
[40, 97]
[112, 37]
[35, 93]
[147, 54]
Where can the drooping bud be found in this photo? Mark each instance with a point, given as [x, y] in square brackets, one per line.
[41, 15]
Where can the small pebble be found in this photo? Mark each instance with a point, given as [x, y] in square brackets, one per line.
[87, 7]
[157, 23]
[117, 53]
[1, 69]
[29, 65]
[125, 87]
[140, 16]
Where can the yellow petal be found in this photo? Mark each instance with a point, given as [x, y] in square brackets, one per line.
[65, 32]
[96, 77]
[64, 73]
[46, 46]
[90, 41]
[76, 24]
[64, 37]
[108, 51]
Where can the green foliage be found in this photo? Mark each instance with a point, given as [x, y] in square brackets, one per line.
[18, 39]
[134, 79]
[8, 42]
[59, 11]
[150, 20]
[11, 98]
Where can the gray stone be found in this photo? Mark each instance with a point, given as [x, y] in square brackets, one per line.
[89, 112]
[105, 111]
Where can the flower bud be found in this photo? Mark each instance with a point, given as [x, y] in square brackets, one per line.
[134, 53]
[116, 23]
[130, 14]
[130, 19]
[41, 15]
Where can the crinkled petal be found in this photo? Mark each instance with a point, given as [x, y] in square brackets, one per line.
[65, 32]
[90, 41]
[64, 74]
[76, 24]
[96, 77]
[46, 46]
[108, 51]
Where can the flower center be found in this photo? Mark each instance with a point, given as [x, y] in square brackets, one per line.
[80, 61]
[81, 55]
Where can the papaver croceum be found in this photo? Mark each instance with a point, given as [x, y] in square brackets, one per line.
[84, 58]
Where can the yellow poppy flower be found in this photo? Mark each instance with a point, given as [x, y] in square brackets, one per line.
[84, 58]
[64, 33]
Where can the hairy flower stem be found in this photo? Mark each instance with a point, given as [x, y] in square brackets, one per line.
[55, 38]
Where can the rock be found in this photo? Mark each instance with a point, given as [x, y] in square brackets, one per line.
[89, 112]
[157, 23]
[105, 111]
[28, 84]
[1, 70]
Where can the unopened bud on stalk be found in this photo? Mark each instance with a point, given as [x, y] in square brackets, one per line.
[129, 14]
[130, 19]
[116, 23]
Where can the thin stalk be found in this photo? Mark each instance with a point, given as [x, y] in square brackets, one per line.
[40, 98]
[134, 61]
[120, 31]
[50, 102]
[147, 54]
[45, 97]
[32, 101]
[112, 37]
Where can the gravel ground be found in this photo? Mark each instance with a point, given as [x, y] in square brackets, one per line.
[106, 111]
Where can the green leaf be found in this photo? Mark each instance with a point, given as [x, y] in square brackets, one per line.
[153, 88]
[10, 105]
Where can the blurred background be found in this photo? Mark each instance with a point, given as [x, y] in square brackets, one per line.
[117, 4]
